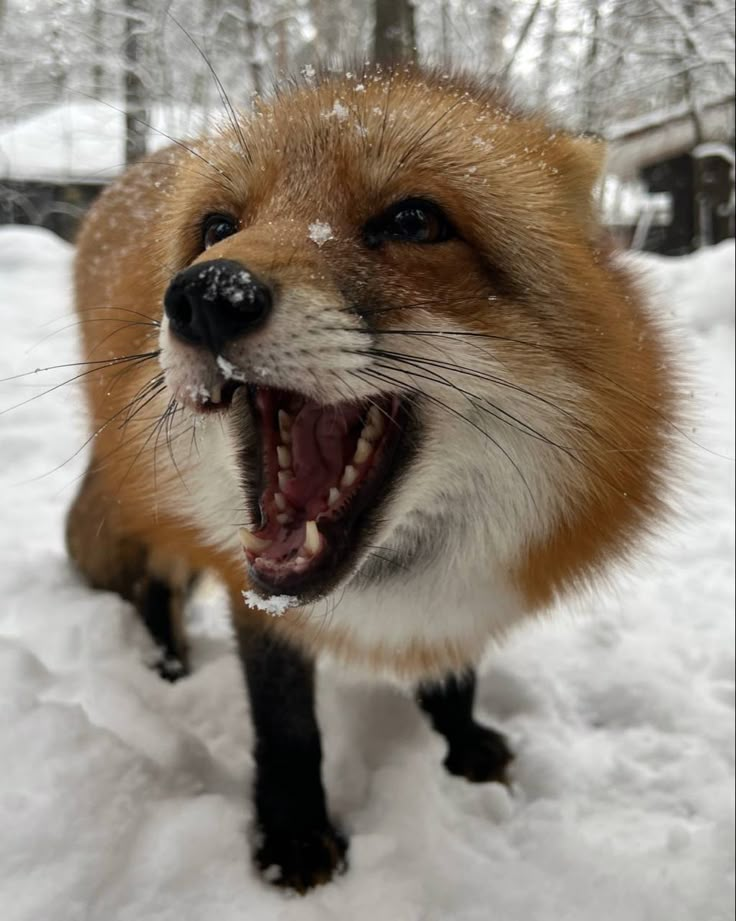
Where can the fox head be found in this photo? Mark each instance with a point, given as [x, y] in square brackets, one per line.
[392, 294]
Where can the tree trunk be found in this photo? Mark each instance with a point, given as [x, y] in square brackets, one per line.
[547, 58]
[252, 30]
[691, 94]
[282, 46]
[136, 111]
[202, 81]
[98, 67]
[6, 75]
[445, 33]
[327, 24]
[588, 119]
[498, 27]
[526, 30]
[395, 36]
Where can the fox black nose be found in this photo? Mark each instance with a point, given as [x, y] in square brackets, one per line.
[211, 303]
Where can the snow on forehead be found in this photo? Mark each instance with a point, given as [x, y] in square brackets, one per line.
[320, 233]
[338, 111]
[360, 107]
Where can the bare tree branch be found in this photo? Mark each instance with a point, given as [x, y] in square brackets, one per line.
[690, 34]
[523, 35]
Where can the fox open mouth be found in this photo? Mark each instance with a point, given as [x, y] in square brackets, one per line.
[324, 467]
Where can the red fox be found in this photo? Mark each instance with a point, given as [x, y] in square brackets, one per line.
[365, 353]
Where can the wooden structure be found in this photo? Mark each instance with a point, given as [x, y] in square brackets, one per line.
[55, 160]
[690, 157]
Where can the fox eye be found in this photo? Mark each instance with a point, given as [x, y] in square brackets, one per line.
[413, 220]
[216, 227]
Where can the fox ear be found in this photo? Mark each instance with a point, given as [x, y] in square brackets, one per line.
[583, 164]
[589, 159]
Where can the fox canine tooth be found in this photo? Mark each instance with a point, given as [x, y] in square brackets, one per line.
[251, 542]
[362, 452]
[376, 420]
[349, 476]
[285, 423]
[312, 539]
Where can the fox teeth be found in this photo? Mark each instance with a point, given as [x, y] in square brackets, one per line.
[362, 452]
[285, 423]
[349, 476]
[284, 477]
[251, 542]
[284, 456]
[376, 422]
[280, 501]
[371, 432]
[312, 540]
[334, 497]
[283, 518]
[216, 393]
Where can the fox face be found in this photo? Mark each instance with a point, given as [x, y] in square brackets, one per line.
[400, 287]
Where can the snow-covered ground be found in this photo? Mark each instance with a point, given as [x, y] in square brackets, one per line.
[123, 798]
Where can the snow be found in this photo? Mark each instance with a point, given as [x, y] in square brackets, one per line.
[338, 111]
[275, 605]
[198, 393]
[715, 149]
[123, 797]
[659, 117]
[229, 370]
[320, 233]
[623, 203]
[713, 310]
[656, 136]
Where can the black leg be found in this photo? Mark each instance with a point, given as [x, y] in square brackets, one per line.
[299, 848]
[159, 609]
[474, 751]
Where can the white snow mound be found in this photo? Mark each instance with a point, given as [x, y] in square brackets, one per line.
[123, 798]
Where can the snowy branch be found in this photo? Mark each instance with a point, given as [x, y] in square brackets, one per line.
[690, 34]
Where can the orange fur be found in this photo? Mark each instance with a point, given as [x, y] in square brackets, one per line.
[564, 317]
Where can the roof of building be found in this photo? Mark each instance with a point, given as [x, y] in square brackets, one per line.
[82, 141]
[639, 142]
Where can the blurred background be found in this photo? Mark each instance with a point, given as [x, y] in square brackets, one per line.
[88, 85]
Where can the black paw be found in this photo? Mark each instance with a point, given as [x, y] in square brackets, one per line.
[302, 860]
[170, 667]
[479, 755]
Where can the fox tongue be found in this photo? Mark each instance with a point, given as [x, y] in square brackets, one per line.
[320, 448]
